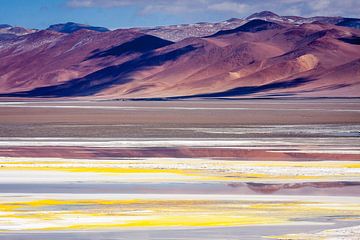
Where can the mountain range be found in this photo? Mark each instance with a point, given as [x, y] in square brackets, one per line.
[263, 55]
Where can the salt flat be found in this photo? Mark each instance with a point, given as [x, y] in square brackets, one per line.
[248, 169]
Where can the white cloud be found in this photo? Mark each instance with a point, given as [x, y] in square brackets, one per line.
[173, 7]
[324, 7]
[229, 7]
[320, 4]
[99, 3]
[165, 8]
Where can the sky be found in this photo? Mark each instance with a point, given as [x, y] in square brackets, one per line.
[115, 14]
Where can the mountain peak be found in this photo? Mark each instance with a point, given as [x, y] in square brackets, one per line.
[71, 27]
[5, 26]
[233, 19]
[263, 14]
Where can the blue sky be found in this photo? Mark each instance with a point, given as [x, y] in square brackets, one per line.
[130, 13]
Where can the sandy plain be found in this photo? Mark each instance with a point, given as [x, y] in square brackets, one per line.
[224, 169]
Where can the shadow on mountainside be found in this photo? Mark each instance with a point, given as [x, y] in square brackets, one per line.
[253, 26]
[104, 78]
[351, 40]
[139, 45]
[242, 91]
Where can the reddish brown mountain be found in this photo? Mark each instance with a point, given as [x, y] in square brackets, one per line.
[265, 56]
